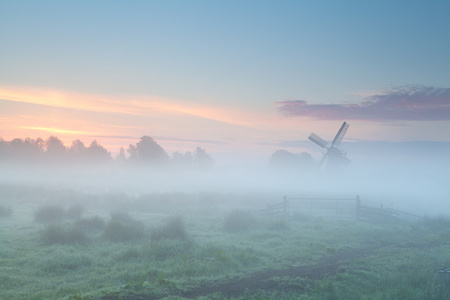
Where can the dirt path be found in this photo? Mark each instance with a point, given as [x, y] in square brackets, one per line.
[269, 279]
[262, 280]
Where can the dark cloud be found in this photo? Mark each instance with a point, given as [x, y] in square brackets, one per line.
[410, 103]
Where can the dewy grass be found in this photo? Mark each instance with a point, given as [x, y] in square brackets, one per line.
[74, 212]
[60, 234]
[91, 224]
[5, 211]
[49, 214]
[238, 220]
[400, 262]
[174, 228]
[121, 228]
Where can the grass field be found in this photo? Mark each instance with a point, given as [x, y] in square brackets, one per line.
[62, 244]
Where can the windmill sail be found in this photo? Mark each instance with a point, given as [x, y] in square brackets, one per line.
[316, 139]
[333, 155]
[340, 135]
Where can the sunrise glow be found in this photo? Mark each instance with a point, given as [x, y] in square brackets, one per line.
[229, 95]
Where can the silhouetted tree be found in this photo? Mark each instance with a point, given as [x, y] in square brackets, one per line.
[202, 159]
[182, 160]
[55, 149]
[120, 158]
[148, 150]
[97, 153]
[21, 150]
[285, 160]
[77, 151]
[3, 149]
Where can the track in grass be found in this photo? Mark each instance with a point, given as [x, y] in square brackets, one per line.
[264, 280]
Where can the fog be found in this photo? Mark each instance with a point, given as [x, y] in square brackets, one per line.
[412, 183]
[129, 227]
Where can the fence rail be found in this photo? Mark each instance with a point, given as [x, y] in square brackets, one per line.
[334, 208]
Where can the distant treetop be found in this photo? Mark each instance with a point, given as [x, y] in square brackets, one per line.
[145, 152]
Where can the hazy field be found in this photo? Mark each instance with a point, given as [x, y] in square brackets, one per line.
[61, 243]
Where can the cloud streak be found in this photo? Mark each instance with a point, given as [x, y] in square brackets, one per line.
[54, 130]
[408, 103]
[143, 106]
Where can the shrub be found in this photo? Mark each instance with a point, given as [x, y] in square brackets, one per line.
[58, 234]
[278, 224]
[5, 211]
[166, 248]
[90, 224]
[437, 223]
[121, 228]
[74, 212]
[75, 236]
[238, 220]
[49, 214]
[173, 229]
[129, 254]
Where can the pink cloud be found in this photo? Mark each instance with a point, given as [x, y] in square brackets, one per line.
[409, 103]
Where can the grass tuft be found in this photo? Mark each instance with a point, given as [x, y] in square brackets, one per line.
[74, 212]
[278, 225]
[121, 228]
[173, 229]
[238, 220]
[167, 248]
[49, 214]
[437, 223]
[58, 234]
[5, 211]
[94, 223]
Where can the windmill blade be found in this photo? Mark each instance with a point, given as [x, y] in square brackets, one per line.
[318, 140]
[324, 158]
[340, 135]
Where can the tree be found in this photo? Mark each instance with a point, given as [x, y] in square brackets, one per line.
[182, 160]
[77, 147]
[147, 150]
[120, 158]
[55, 149]
[97, 153]
[4, 149]
[22, 150]
[77, 151]
[285, 160]
[202, 159]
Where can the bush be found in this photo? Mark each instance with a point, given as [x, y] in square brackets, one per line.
[49, 214]
[121, 228]
[5, 211]
[238, 220]
[57, 234]
[74, 212]
[90, 224]
[439, 223]
[173, 229]
[170, 248]
[278, 224]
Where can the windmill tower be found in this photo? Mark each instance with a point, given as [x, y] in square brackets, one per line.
[334, 156]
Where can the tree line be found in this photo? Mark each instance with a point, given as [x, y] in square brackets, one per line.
[146, 151]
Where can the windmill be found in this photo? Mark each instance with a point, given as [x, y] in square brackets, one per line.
[335, 157]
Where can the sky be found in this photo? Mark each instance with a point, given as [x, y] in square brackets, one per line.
[232, 77]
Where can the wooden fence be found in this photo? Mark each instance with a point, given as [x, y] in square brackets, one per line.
[335, 208]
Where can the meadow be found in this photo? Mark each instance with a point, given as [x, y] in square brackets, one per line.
[66, 244]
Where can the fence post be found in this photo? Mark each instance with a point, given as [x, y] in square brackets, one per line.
[358, 206]
[285, 206]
